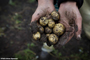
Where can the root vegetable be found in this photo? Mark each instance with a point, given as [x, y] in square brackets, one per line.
[43, 21]
[41, 29]
[48, 30]
[47, 35]
[58, 29]
[53, 39]
[55, 15]
[51, 23]
[36, 36]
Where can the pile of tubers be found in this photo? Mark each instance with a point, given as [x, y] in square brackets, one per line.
[50, 27]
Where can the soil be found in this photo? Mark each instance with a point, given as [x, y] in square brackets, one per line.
[17, 34]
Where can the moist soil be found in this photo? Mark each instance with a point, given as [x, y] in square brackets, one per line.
[16, 33]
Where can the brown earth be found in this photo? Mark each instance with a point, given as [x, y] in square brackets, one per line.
[17, 34]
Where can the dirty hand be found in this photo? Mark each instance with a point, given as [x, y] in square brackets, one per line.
[44, 7]
[72, 20]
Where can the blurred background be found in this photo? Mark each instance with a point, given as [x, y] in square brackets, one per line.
[16, 36]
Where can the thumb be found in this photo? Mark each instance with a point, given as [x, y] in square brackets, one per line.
[78, 27]
[78, 24]
[38, 13]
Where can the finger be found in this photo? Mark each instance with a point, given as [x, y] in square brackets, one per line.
[41, 12]
[38, 13]
[64, 39]
[63, 20]
[68, 28]
[78, 25]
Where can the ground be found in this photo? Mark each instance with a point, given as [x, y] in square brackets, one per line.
[16, 35]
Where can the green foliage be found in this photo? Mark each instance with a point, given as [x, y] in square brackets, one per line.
[26, 54]
[81, 50]
[31, 45]
[57, 53]
[31, 1]
[12, 3]
[60, 54]
[77, 56]
[28, 45]
[17, 16]
[16, 21]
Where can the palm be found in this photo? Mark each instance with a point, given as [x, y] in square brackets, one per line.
[71, 19]
[42, 11]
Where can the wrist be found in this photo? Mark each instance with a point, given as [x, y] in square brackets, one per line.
[44, 2]
[68, 4]
[79, 3]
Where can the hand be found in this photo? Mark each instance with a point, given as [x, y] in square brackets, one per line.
[70, 17]
[44, 7]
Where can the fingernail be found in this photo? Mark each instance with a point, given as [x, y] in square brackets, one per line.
[79, 37]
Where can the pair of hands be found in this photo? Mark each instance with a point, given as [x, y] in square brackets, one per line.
[69, 16]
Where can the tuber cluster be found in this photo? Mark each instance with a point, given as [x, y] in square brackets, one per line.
[50, 27]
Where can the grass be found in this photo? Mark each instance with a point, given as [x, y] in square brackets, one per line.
[31, 1]
[16, 21]
[76, 56]
[30, 45]
[12, 3]
[26, 54]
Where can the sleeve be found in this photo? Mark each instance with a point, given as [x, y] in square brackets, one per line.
[79, 2]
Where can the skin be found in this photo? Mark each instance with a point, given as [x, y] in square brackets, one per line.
[44, 7]
[69, 16]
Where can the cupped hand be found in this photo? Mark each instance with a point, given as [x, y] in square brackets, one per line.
[44, 7]
[70, 17]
